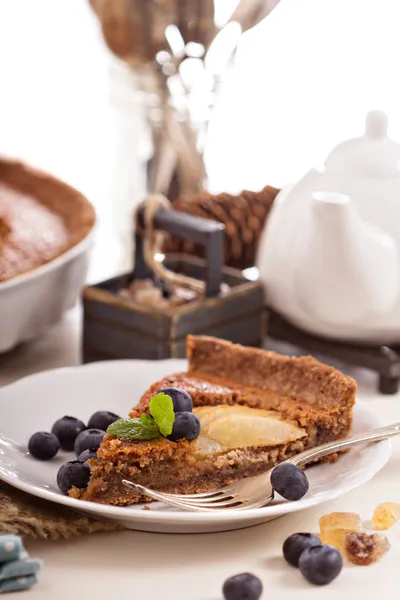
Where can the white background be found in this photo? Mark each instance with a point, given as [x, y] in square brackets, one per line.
[304, 80]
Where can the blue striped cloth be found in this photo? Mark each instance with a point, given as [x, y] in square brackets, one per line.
[17, 584]
[17, 570]
[10, 548]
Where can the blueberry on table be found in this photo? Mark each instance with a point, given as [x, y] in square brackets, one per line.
[242, 587]
[295, 545]
[321, 564]
[87, 455]
[102, 419]
[73, 473]
[186, 426]
[43, 445]
[181, 400]
[289, 481]
[67, 429]
[90, 439]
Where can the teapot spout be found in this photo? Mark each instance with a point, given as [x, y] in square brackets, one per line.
[349, 269]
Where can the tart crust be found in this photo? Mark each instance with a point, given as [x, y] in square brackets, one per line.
[304, 391]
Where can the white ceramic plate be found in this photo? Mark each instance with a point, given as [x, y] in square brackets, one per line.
[34, 403]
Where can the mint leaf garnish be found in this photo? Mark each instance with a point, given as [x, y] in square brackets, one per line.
[147, 420]
[162, 411]
[144, 428]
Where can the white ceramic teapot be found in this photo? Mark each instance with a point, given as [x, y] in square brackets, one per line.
[330, 253]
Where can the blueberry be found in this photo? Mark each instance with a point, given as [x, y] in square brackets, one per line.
[87, 455]
[90, 439]
[73, 473]
[102, 419]
[43, 445]
[289, 481]
[181, 400]
[186, 425]
[242, 587]
[321, 564]
[295, 544]
[67, 429]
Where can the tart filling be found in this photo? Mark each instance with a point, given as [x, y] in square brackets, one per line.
[40, 218]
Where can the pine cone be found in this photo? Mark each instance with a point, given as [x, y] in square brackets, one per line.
[244, 217]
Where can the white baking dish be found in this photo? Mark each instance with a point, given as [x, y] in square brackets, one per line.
[33, 301]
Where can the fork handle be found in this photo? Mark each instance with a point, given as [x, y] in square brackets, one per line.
[375, 435]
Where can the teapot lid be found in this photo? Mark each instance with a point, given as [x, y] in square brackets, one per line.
[373, 155]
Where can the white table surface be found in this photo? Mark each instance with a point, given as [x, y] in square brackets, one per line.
[182, 567]
[45, 120]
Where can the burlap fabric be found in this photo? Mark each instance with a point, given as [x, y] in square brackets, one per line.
[31, 517]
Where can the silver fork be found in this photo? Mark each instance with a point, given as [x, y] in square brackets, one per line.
[255, 492]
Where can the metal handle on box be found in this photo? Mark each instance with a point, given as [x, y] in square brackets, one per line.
[209, 234]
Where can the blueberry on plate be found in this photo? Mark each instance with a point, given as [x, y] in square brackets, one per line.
[242, 587]
[289, 481]
[90, 439]
[73, 473]
[295, 544]
[320, 564]
[87, 455]
[181, 400]
[67, 429]
[102, 419]
[186, 425]
[43, 445]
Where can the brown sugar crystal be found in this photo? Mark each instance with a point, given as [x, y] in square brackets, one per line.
[363, 548]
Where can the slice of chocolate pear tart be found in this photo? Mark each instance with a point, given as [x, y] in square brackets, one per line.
[256, 408]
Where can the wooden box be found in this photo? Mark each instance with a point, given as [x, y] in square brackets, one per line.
[116, 327]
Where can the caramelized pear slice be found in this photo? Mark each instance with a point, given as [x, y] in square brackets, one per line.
[204, 446]
[243, 430]
[225, 427]
[206, 414]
